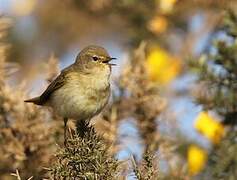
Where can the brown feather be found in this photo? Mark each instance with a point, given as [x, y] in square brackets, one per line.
[56, 84]
[35, 100]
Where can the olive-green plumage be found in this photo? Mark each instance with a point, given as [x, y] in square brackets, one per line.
[81, 90]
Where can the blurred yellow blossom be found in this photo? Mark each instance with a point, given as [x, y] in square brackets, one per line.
[161, 66]
[23, 7]
[197, 158]
[209, 127]
[166, 6]
[157, 24]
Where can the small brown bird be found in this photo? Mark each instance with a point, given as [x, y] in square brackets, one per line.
[82, 90]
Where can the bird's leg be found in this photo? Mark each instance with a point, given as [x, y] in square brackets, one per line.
[65, 131]
[82, 127]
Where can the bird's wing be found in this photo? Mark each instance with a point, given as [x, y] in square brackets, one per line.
[56, 84]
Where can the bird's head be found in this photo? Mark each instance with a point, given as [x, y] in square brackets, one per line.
[94, 56]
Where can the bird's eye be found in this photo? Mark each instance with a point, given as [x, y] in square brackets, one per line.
[95, 58]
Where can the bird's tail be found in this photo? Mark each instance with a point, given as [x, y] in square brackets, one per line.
[35, 100]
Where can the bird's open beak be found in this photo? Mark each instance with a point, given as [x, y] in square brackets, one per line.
[108, 60]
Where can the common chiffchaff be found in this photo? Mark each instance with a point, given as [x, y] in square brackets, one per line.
[82, 90]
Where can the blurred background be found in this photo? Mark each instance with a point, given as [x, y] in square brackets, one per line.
[173, 87]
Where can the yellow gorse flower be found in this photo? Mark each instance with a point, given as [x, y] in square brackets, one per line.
[162, 67]
[158, 24]
[197, 158]
[209, 127]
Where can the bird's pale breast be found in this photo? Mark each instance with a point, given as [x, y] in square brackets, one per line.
[82, 96]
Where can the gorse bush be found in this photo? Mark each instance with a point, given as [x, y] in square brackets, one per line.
[138, 135]
[26, 132]
[85, 157]
[218, 74]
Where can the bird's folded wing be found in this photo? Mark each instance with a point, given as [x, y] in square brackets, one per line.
[56, 84]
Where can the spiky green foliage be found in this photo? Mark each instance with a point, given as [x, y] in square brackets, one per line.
[218, 71]
[146, 170]
[223, 160]
[85, 158]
